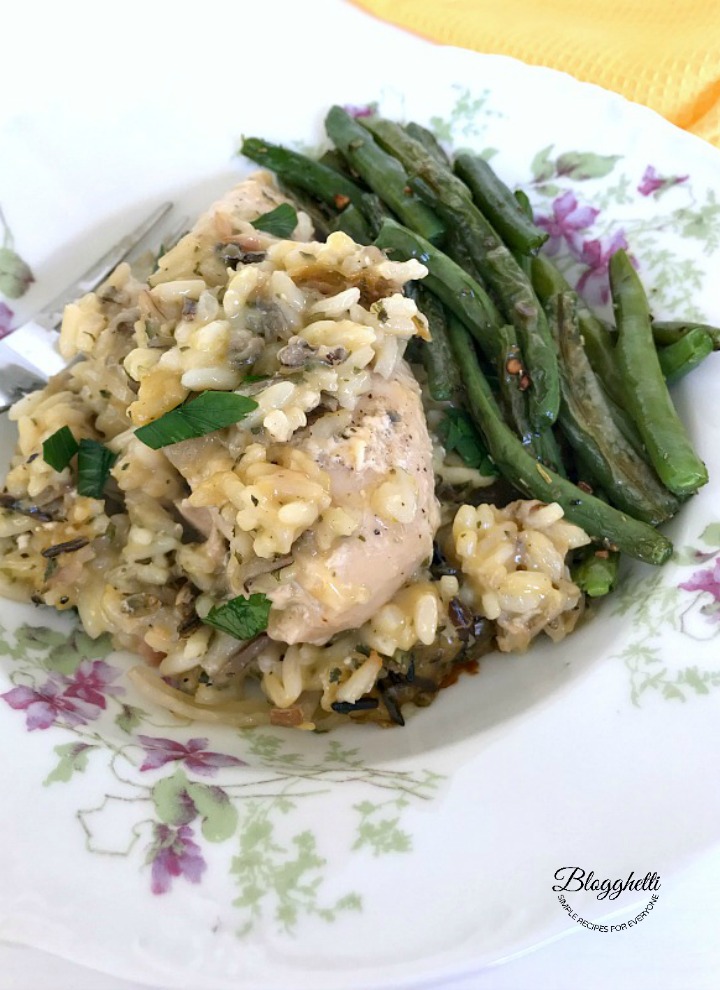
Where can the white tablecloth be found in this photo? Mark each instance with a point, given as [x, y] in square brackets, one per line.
[678, 946]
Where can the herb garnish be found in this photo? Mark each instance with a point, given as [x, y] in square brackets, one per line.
[457, 432]
[280, 222]
[60, 448]
[241, 617]
[209, 412]
[94, 463]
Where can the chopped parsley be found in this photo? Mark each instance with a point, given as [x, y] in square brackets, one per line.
[94, 463]
[241, 617]
[60, 448]
[209, 412]
[457, 432]
[280, 222]
[94, 460]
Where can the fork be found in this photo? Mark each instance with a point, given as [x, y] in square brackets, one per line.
[29, 355]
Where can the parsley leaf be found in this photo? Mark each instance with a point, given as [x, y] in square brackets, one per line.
[241, 617]
[280, 222]
[457, 432]
[209, 412]
[94, 463]
[60, 448]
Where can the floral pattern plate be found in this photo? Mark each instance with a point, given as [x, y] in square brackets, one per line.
[187, 856]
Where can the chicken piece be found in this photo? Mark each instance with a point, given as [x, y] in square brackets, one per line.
[224, 235]
[255, 195]
[384, 443]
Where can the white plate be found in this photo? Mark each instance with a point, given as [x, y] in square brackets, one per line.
[366, 858]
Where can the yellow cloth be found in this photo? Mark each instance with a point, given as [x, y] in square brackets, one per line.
[663, 53]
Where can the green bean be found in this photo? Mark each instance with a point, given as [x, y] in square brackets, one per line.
[353, 223]
[670, 331]
[512, 383]
[321, 181]
[454, 287]
[338, 163]
[524, 260]
[497, 203]
[547, 450]
[680, 358]
[410, 152]
[428, 140]
[609, 526]
[383, 173]
[469, 301]
[512, 391]
[599, 345]
[595, 572]
[455, 248]
[506, 279]
[587, 422]
[375, 212]
[444, 382]
[626, 426]
[646, 396]
[523, 201]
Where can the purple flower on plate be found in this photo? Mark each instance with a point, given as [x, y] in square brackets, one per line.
[194, 755]
[706, 580]
[368, 110]
[654, 184]
[74, 700]
[92, 681]
[173, 853]
[567, 220]
[6, 318]
[50, 703]
[593, 283]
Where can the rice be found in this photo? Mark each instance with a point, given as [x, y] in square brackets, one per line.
[514, 559]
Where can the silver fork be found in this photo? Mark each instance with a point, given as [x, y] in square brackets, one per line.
[30, 355]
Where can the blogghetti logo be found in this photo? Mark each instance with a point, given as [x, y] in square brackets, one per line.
[580, 883]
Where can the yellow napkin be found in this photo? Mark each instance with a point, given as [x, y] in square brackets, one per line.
[663, 53]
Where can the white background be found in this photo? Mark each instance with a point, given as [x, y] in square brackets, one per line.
[678, 945]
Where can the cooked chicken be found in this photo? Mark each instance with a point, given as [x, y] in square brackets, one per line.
[255, 195]
[386, 443]
[223, 237]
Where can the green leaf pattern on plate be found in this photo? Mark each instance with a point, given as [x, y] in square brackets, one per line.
[60, 680]
[691, 608]
[16, 276]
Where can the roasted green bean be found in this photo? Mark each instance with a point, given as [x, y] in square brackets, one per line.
[547, 282]
[587, 422]
[444, 382]
[667, 332]
[319, 180]
[383, 173]
[646, 395]
[505, 278]
[678, 359]
[498, 204]
[428, 140]
[612, 528]
[596, 571]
